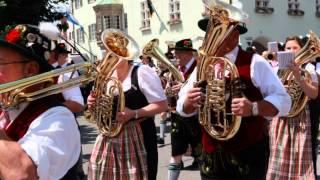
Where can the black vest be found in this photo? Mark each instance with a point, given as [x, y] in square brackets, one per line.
[135, 99]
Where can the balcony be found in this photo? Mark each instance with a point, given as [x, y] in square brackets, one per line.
[295, 12]
[264, 10]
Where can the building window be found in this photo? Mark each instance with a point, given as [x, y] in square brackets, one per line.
[80, 36]
[91, 1]
[92, 32]
[116, 22]
[125, 21]
[145, 16]
[106, 22]
[99, 24]
[174, 12]
[263, 7]
[78, 4]
[318, 8]
[294, 8]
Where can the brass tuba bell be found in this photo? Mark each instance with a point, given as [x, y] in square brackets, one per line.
[215, 113]
[108, 90]
[152, 49]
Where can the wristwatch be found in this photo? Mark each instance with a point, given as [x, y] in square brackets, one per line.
[255, 110]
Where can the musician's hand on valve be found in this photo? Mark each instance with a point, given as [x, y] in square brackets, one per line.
[176, 87]
[241, 107]
[193, 99]
[91, 100]
[126, 115]
[295, 70]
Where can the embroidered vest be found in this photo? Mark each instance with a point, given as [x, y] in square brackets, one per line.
[252, 129]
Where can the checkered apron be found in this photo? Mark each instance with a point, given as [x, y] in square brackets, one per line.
[290, 148]
[120, 158]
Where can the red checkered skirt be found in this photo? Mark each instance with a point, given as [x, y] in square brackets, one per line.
[290, 148]
[120, 158]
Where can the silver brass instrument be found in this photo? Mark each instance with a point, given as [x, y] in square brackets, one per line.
[13, 93]
[310, 51]
[108, 90]
[215, 113]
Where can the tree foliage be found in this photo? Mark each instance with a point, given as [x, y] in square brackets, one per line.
[26, 11]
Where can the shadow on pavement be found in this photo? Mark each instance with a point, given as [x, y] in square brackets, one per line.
[88, 134]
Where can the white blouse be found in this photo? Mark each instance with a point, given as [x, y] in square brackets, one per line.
[149, 84]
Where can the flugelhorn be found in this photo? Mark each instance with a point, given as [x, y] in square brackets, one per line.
[107, 89]
[215, 113]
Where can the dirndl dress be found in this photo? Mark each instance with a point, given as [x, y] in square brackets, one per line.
[290, 148]
[119, 158]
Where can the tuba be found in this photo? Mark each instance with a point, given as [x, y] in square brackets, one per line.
[215, 113]
[16, 92]
[310, 51]
[108, 90]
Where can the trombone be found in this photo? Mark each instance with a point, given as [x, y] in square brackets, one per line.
[13, 93]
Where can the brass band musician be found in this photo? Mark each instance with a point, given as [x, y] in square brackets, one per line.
[38, 139]
[243, 156]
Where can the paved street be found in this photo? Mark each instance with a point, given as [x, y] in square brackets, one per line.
[89, 133]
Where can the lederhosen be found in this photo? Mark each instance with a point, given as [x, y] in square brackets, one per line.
[18, 128]
[245, 156]
[185, 130]
[135, 99]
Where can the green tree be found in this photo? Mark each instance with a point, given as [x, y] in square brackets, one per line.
[26, 11]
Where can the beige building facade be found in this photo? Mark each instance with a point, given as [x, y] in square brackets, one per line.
[269, 20]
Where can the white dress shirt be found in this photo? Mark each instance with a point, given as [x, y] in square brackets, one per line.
[52, 141]
[189, 64]
[262, 78]
[73, 93]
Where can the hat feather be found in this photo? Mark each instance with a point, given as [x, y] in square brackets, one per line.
[49, 30]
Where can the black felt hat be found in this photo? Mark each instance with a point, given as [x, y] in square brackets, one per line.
[62, 48]
[203, 23]
[184, 45]
[28, 41]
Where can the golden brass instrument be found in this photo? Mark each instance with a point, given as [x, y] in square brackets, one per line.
[13, 93]
[215, 113]
[152, 49]
[310, 51]
[108, 90]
